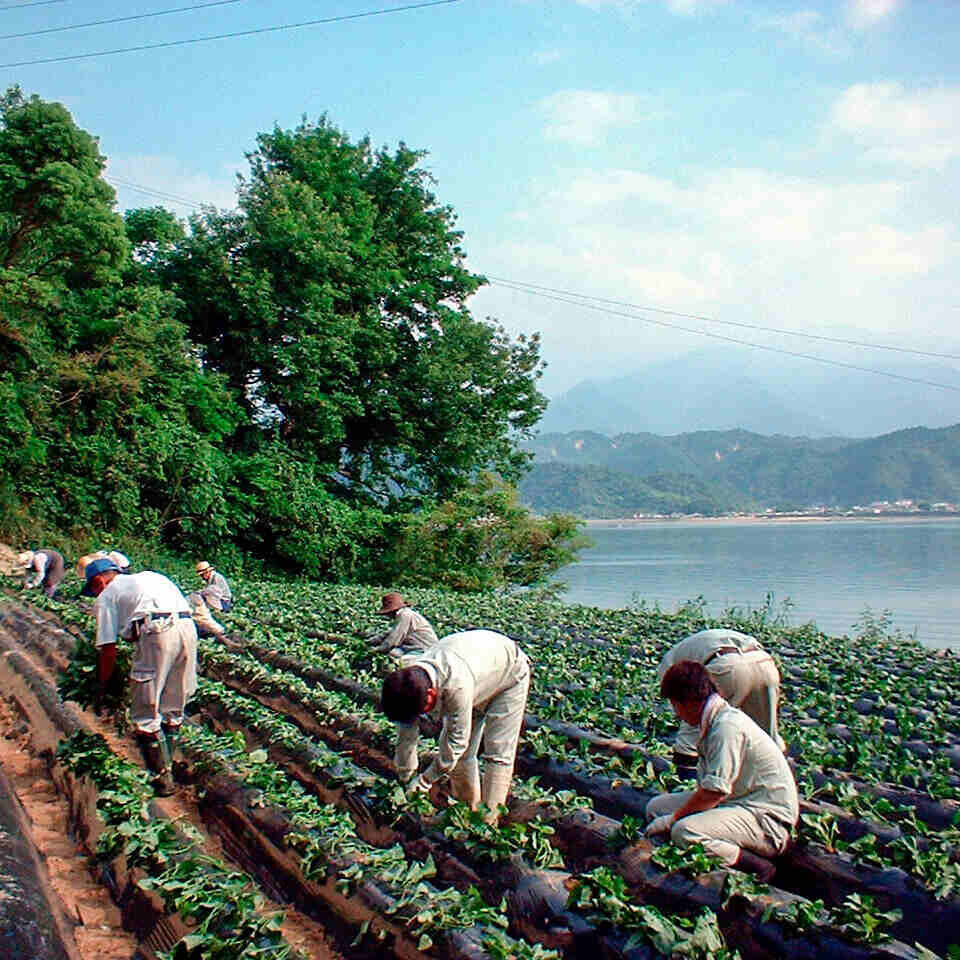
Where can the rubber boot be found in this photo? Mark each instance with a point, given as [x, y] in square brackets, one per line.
[761, 867]
[465, 783]
[178, 764]
[156, 758]
[497, 778]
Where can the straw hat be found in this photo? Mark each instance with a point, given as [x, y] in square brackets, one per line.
[391, 603]
[203, 566]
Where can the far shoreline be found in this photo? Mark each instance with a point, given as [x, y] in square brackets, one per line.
[757, 520]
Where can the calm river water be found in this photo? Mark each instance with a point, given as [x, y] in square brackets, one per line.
[830, 571]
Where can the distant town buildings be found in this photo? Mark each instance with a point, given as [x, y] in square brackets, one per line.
[877, 508]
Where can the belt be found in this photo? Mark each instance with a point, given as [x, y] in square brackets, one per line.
[723, 651]
[161, 615]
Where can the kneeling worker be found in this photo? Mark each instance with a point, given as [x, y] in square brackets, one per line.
[746, 804]
[216, 594]
[744, 675]
[477, 681]
[150, 610]
[411, 632]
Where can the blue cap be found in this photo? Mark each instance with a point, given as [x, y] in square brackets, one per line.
[100, 565]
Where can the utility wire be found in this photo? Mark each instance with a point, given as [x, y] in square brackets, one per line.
[34, 3]
[720, 336]
[230, 36]
[729, 323]
[100, 23]
[549, 293]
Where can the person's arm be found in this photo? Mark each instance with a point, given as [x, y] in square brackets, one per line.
[396, 634]
[106, 662]
[455, 736]
[405, 756]
[39, 568]
[702, 799]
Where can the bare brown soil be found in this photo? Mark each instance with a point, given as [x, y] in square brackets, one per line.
[8, 561]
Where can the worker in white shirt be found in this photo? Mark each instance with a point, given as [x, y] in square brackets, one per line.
[745, 675]
[477, 682]
[745, 805]
[150, 610]
[216, 594]
[411, 632]
[44, 567]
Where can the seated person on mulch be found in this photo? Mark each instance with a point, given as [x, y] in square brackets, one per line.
[746, 804]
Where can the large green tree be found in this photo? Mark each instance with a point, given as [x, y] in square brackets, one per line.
[334, 301]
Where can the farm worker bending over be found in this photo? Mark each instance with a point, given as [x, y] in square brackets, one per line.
[477, 681]
[45, 568]
[411, 632]
[745, 805]
[150, 610]
[743, 673]
[216, 594]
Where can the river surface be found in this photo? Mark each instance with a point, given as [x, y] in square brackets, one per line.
[826, 571]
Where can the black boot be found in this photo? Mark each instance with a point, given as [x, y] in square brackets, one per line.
[762, 868]
[156, 758]
[178, 764]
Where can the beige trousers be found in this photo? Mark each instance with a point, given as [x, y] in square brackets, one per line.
[723, 831]
[163, 675]
[749, 681]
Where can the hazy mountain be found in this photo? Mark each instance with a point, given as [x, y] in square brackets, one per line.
[736, 469]
[729, 388]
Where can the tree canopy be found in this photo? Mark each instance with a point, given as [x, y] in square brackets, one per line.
[300, 377]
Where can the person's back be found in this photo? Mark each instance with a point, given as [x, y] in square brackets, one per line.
[489, 656]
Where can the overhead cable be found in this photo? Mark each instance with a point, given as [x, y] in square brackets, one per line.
[729, 323]
[33, 3]
[229, 36]
[150, 191]
[720, 336]
[134, 16]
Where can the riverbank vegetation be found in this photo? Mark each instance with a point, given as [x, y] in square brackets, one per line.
[299, 379]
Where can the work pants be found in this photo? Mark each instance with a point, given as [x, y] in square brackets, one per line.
[723, 830]
[749, 681]
[56, 571]
[163, 675]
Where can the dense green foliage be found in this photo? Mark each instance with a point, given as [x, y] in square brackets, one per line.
[594, 475]
[299, 379]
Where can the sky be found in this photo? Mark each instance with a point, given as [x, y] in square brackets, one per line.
[787, 165]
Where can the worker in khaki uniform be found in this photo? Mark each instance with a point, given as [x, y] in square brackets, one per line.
[150, 610]
[477, 681]
[43, 568]
[745, 805]
[216, 594]
[744, 674]
[410, 634]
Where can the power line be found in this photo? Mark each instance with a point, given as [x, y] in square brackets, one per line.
[729, 323]
[151, 192]
[720, 336]
[230, 36]
[33, 3]
[100, 23]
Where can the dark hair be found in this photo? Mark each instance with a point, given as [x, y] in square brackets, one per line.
[404, 694]
[687, 681]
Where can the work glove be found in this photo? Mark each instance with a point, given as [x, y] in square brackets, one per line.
[660, 825]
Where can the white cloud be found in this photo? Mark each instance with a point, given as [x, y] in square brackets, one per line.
[586, 117]
[916, 129]
[810, 28]
[863, 14]
[171, 179]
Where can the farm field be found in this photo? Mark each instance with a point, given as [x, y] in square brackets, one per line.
[291, 836]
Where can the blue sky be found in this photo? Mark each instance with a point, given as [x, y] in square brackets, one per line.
[787, 165]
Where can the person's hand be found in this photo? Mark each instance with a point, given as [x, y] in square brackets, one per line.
[660, 825]
[417, 785]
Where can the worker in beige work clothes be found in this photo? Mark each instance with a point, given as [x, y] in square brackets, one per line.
[742, 671]
[410, 633]
[43, 568]
[150, 610]
[477, 682]
[745, 805]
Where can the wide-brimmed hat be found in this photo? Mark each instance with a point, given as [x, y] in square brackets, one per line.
[391, 603]
[203, 566]
[25, 558]
[100, 565]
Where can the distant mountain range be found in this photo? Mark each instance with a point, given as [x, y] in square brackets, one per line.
[730, 388]
[590, 474]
